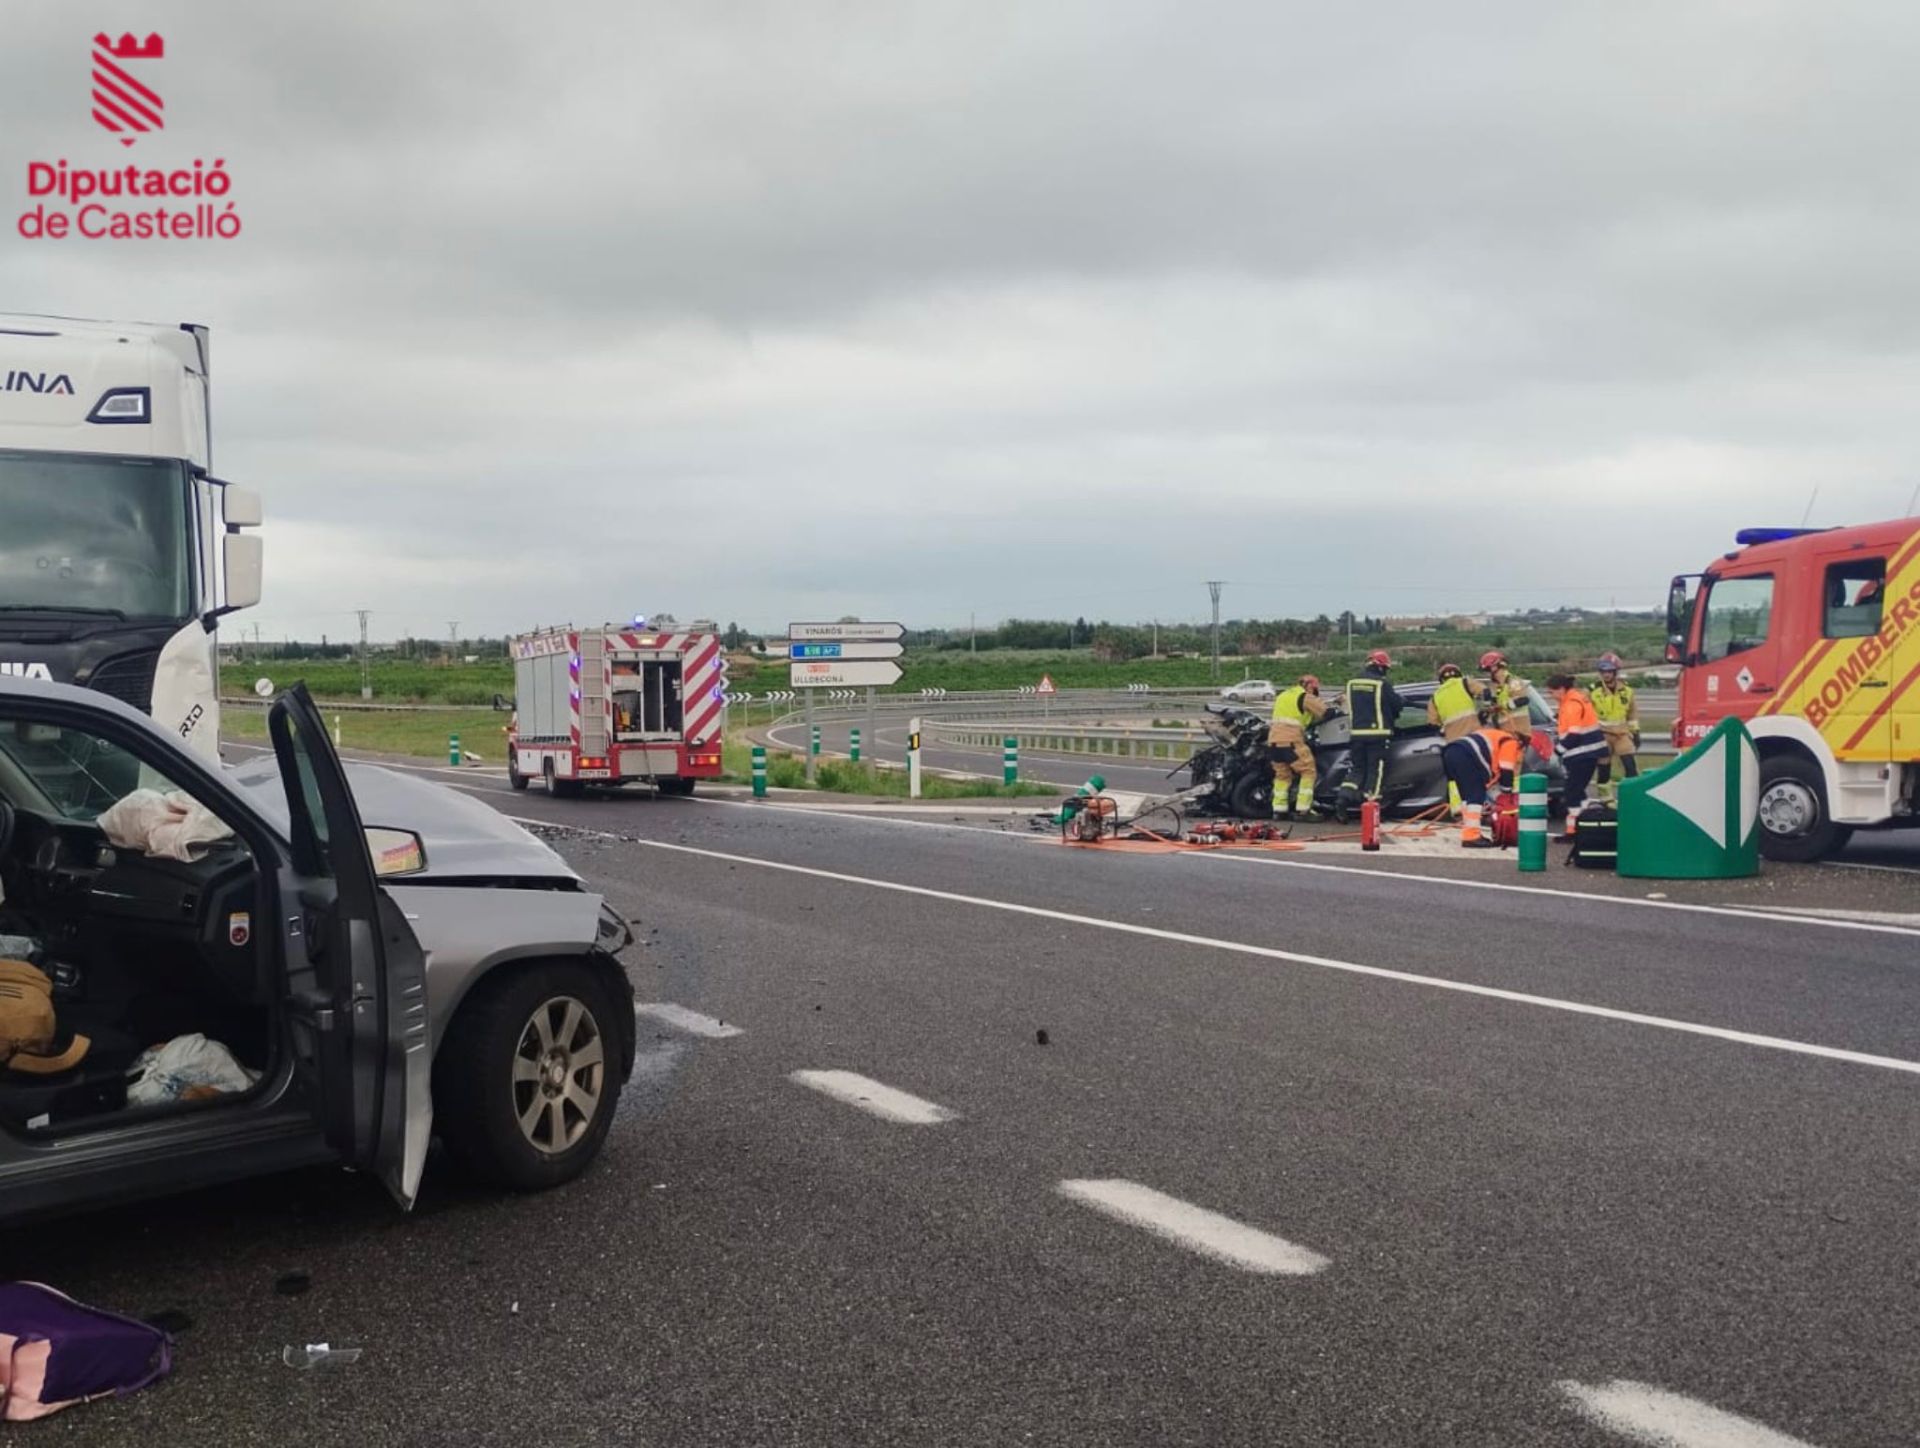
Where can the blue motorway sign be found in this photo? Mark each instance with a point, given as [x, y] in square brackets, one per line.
[815, 651]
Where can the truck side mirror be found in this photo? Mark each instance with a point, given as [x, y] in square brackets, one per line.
[244, 554]
[502, 703]
[241, 507]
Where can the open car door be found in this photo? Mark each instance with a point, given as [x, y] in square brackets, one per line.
[356, 977]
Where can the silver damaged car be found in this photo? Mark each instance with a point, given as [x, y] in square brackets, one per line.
[207, 974]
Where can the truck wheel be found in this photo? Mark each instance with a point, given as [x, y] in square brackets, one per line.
[1795, 824]
[559, 788]
[527, 1079]
[515, 779]
[1252, 797]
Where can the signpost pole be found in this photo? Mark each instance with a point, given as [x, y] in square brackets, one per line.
[813, 738]
[913, 758]
[873, 733]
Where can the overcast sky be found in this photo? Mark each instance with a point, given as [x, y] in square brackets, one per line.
[764, 310]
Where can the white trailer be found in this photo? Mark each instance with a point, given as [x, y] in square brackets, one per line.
[612, 706]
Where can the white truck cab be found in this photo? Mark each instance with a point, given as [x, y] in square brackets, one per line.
[119, 549]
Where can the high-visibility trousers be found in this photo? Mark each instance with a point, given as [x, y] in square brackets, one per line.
[1299, 774]
[1366, 767]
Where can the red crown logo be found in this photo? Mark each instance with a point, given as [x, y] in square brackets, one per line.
[123, 105]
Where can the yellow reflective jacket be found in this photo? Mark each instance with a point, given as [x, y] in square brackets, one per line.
[1614, 706]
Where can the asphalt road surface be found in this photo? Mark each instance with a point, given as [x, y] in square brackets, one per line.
[1311, 1154]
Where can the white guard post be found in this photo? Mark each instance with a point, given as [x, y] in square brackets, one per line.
[913, 757]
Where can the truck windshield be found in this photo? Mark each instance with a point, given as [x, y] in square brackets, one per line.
[94, 533]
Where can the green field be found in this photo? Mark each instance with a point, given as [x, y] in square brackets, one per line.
[392, 733]
[1533, 650]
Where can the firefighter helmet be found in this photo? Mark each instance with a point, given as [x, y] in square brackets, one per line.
[1378, 658]
[1447, 671]
[1492, 659]
[1609, 663]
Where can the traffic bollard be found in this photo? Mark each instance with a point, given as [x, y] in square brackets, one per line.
[853, 746]
[814, 746]
[1533, 822]
[1010, 760]
[759, 771]
[336, 731]
[453, 749]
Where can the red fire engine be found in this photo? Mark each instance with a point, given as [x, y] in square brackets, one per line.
[612, 706]
[1812, 638]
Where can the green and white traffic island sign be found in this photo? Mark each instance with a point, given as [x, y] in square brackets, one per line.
[1698, 818]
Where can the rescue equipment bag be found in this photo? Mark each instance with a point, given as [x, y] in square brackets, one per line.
[55, 1352]
[1505, 820]
[1596, 838]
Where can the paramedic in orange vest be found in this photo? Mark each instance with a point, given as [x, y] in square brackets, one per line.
[1454, 710]
[1295, 710]
[1581, 744]
[1619, 721]
[1477, 764]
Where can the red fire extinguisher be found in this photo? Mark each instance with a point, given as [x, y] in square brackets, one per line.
[1370, 825]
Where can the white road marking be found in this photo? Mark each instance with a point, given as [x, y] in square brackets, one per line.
[1874, 917]
[1196, 1228]
[872, 1097]
[1632, 900]
[1267, 952]
[682, 1019]
[1657, 1417]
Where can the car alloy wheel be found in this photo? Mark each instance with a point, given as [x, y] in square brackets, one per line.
[559, 1074]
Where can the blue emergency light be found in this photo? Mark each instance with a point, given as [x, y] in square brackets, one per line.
[1747, 537]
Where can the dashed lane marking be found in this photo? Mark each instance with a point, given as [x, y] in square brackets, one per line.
[1348, 967]
[682, 1019]
[872, 1097]
[1644, 1414]
[1196, 1228]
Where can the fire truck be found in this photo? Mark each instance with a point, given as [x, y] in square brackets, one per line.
[1811, 637]
[611, 706]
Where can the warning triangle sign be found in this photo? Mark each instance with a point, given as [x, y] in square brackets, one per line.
[1046, 685]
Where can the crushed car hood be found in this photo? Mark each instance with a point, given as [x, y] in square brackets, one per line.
[465, 839]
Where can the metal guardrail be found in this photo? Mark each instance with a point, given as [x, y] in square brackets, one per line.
[1116, 743]
[251, 701]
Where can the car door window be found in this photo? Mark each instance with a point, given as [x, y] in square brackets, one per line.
[1739, 613]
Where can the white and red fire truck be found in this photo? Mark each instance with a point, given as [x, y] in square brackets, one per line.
[612, 706]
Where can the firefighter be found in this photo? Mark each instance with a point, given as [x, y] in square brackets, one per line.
[1372, 706]
[1506, 694]
[1478, 763]
[1619, 721]
[1454, 710]
[1295, 711]
[1581, 743]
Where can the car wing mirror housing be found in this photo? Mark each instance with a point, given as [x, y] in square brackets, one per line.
[395, 852]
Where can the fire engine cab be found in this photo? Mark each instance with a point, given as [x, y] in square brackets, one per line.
[612, 706]
[1812, 639]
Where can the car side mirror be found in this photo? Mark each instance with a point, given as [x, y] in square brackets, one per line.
[395, 852]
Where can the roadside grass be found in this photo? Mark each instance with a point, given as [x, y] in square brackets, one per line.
[480, 730]
[843, 776]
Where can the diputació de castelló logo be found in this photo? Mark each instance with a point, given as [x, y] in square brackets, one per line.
[72, 199]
